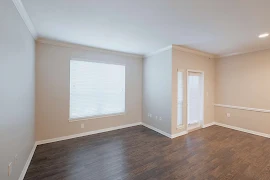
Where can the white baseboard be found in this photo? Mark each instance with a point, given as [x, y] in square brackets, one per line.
[179, 134]
[165, 133]
[205, 126]
[28, 162]
[186, 132]
[208, 125]
[157, 130]
[243, 130]
[86, 133]
[126, 126]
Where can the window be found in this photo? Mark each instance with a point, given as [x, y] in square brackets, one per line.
[96, 89]
[180, 99]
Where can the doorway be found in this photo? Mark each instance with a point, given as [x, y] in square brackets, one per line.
[195, 99]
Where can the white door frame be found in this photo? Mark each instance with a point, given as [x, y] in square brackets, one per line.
[201, 123]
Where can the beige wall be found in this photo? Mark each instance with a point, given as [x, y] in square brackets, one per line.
[17, 93]
[157, 90]
[183, 61]
[52, 90]
[243, 80]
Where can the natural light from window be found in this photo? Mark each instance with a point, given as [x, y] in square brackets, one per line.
[96, 89]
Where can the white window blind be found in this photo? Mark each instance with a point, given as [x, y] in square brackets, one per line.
[180, 99]
[96, 89]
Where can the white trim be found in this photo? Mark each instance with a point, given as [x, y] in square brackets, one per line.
[183, 49]
[95, 117]
[243, 52]
[130, 125]
[179, 134]
[192, 127]
[243, 108]
[86, 48]
[171, 136]
[202, 103]
[25, 17]
[157, 130]
[28, 162]
[243, 130]
[208, 125]
[194, 51]
[87, 133]
[180, 126]
[158, 51]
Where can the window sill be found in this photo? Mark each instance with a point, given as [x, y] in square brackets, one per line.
[95, 117]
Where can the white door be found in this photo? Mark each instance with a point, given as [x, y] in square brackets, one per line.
[180, 97]
[195, 99]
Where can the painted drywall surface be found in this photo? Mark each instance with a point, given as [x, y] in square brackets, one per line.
[52, 91]
[251, 120]
[243, 80]
[184, 61]
[157, 83]
[17, 90]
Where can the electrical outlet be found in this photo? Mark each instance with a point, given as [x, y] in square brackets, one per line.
[82, 125]
[160, 118]
[228, 115]
[9, 169]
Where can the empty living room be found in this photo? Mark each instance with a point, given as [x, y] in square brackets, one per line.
[135, 90]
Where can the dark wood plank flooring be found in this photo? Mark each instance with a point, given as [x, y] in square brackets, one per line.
[139, 153]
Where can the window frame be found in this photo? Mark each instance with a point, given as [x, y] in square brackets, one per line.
[180, 126]
[97, 116]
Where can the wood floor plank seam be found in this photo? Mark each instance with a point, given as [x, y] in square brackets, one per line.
[139, 153]
[136, 124]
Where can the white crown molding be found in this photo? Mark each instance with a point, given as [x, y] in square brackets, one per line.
[243, 53]
[25, 17]
[158, 51]
[87, 48]
[194, 51]
[27, 20]
[28, 162]
[183, 49]
[243, 108]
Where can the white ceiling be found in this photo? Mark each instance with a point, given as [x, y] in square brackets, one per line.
[219, 27]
